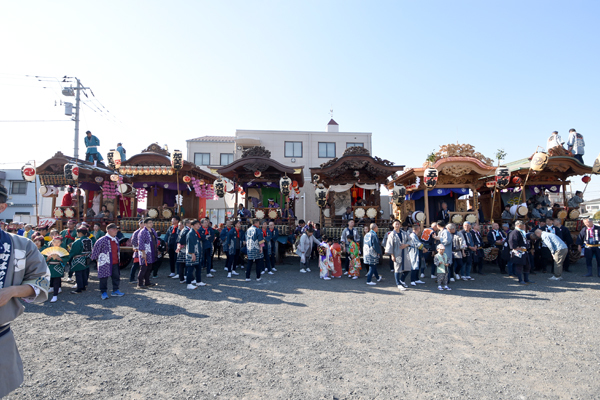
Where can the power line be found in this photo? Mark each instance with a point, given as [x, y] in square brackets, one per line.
[38, 120]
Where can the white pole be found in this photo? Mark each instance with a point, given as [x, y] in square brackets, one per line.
[76, 155]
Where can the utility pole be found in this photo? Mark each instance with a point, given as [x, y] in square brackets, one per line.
[69, 92]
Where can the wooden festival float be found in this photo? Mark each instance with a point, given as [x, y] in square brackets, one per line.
[256, 177]
[170, 185]
[340, 182]
[451, 176]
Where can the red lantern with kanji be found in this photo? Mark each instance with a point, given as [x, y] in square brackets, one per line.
[586, 179]
[187, 179]
[517, 180]
[257, 174]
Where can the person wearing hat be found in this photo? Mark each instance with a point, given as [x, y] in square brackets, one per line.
[91, 143]
[122, 152]
[553, 141]
[272, 204]
[23, 274]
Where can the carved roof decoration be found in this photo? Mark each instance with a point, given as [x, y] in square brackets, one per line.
[256, 151]
[460, 150]
[356, 165]
[242, 170]
[156, 148]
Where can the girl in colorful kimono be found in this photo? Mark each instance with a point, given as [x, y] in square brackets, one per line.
[336, 255]
[56, 265]
[354, 255]
[325, 260]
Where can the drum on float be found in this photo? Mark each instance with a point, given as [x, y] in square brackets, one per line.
[520, 210]
[417, 217]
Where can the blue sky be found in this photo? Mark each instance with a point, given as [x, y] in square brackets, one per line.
[417, 74]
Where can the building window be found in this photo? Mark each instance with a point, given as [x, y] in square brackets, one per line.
[202, 158]
[293, 149]
[226, 158]
[326, 150]
[355, 145]
[18, 188]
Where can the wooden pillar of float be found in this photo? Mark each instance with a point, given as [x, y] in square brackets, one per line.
[426, 195]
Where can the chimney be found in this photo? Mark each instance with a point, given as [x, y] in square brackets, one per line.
[333, 126]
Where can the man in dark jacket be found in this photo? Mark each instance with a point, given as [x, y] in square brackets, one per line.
[496, 238]
[171, 240]
[519, 249]
[589, 237]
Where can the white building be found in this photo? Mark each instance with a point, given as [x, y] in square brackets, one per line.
[21, 196]
[291, 148]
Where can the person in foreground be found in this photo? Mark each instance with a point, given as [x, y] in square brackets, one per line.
[106, 252]
[23, 274]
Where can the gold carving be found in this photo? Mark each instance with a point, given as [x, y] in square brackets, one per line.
[458, 150]
[456, 170]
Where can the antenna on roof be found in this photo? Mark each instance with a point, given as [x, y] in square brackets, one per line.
[331, 112]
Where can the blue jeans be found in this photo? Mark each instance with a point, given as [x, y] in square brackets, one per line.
[397, 277]
[372, 271]
[190, 273]
[467, 264]
[207, 259]
[259, 267]
[267, 259]
[589, 254]
[134, 272]
[457, 264]
[510, 267]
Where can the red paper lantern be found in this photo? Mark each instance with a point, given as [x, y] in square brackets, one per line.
[257, 174]
[586, 179]
[187, 179]
[517, 180]
[294, 184]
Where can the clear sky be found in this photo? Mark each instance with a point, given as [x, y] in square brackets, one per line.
[418, 74]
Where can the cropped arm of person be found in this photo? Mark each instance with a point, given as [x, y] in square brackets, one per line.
[22, 291]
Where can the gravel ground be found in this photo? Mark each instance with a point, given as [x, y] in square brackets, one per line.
[295, 336]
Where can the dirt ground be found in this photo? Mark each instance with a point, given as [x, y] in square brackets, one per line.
[295, 336]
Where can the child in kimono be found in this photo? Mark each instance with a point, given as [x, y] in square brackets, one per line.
[354, 255]
[336, 255]
[79, 257]
[56, 265]
[441, 262]
[325, 260]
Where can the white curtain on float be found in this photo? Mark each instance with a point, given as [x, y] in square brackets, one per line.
[342, 197]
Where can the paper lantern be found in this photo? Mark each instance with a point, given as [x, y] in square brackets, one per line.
[586, 179]
[170, 171]
[490, 184]
[502, 177]
[146, 170]
[116, 159]
[187, 179]
[517, 180]
[398, 194]
[257, 174]
[71, 172]
[284, 185]
[294, 184]
[321, 196]
[316, 178]
[177, 160]
[596, 166]
[28, 172]
[202, 182]
[219, 186]
[430, 177]
[110, 157]
[114, 177]
[539, 161]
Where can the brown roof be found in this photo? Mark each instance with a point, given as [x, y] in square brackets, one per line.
[332, 122]
[219, 139]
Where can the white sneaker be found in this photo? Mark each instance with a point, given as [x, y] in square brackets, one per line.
[457, 277]
[440, 288]
[225, 268]
[471, 279]
[419, 281]
[258, 279]
[200, 284]
[371, 283]
[327, 278]
[303, 270]
[53, 300]
[355, 277]
[555, 278]
[402, 288]
[229, 275]
[213, 270]
[190, 286]
[172, 274]
[413, 284]
[433, 277]
[175, 276]
[194, 282]
[380, 278]
[209, 275]
[451, 279]
[273, 269]
[422, 275]
[271, 273]
[247, 280]
[464, 278]
[234, 273]
[447, 288]
[181, 281]
[307, 269]
[345, 272]
[241, 266]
